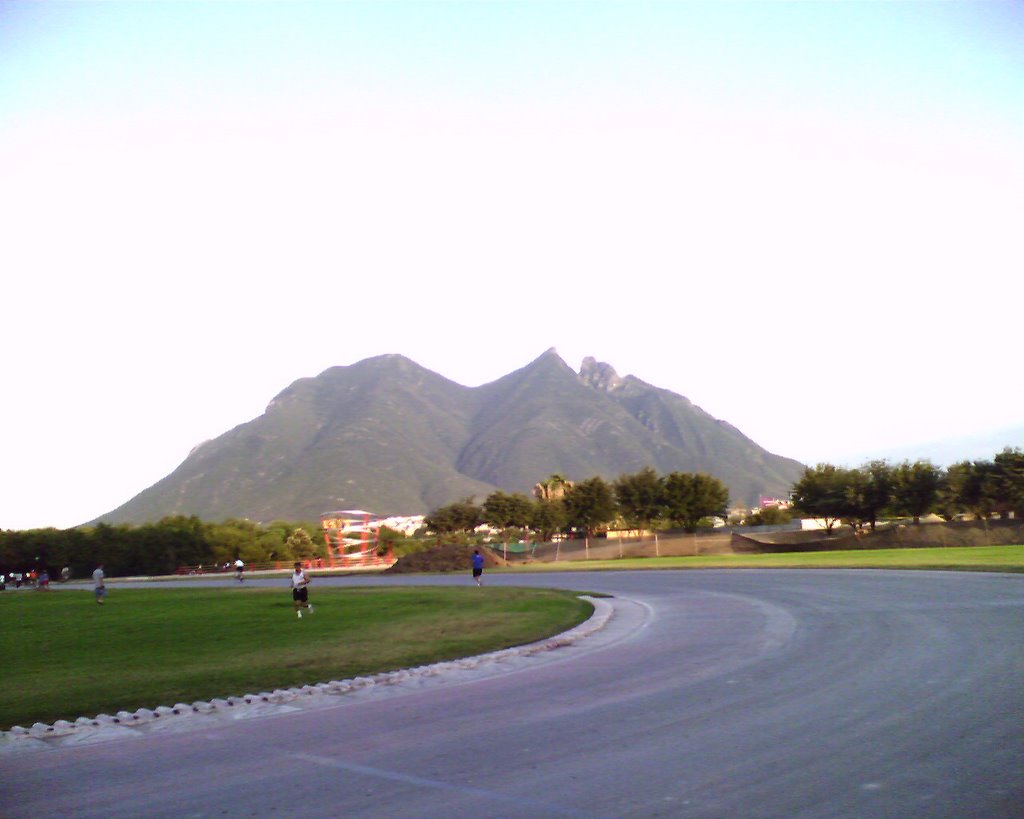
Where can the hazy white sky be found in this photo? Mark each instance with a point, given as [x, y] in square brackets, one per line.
[805, 217]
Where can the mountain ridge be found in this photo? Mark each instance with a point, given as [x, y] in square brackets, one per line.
[389, 435]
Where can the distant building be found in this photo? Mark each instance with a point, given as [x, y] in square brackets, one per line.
[406, 524]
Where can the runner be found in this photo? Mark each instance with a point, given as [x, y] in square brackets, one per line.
[100, 588]
[300, 592]
[239, 568]
[478, 567]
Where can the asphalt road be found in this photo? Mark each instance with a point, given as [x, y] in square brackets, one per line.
[709, 694]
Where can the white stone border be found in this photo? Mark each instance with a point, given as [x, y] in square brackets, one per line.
[126, 724]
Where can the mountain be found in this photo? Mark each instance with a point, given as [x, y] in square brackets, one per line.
[388, 435]
[944, 453]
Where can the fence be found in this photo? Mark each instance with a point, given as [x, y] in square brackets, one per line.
[671, 544]
[746, 541]
[681, 544]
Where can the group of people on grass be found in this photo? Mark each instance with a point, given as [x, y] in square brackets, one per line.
[300, 582]
[33, 579]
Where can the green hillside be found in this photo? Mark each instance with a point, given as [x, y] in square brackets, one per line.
[390, 436]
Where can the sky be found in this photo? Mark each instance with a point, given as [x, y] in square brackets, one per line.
[806, 217]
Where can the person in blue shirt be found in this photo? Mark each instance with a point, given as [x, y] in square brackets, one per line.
[478, 567]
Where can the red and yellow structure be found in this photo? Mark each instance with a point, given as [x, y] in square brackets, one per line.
[353, 539]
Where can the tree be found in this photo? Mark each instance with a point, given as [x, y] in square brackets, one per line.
[915, 488]
[589, 505]
[270, 545]
[821, 493]
[1006, 482]
[463, 516]
[116, 548]
[641, 498]
[549, 517]
[691, 497]
[510, 514]
[854, 503]
[300, 544]
[506, 511]
[948, 502]
[868, 491]
[968, 486]
[232, 538]
[174, 541]
[768, 516]
[387, 538]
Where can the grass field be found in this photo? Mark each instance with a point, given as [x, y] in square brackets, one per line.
[64, 656]
[971, 558]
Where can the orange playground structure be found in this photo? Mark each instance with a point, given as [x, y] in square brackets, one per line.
[352, 538]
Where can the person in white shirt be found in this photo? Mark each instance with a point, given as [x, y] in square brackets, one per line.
[239, 568]
[97, 581]
[300, 592]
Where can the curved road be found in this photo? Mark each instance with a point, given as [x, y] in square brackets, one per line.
[708, 694]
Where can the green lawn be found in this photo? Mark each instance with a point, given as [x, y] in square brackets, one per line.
[64, 656]
[970, 558]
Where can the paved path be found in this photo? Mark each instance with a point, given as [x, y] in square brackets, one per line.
[708, 694]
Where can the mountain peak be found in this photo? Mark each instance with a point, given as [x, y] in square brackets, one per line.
[550, 354]
[547, 361]
[599, 375]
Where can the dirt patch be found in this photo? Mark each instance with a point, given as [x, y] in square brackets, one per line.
[929, 535]
[447, 557]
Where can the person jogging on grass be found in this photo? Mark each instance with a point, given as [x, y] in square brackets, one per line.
[478, 567]
[300, 594]
[97, 581]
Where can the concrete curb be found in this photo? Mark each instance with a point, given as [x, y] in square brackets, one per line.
[187, 716]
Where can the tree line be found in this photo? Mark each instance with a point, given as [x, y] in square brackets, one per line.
[644, 500]
[861, 496]
[641, 501]
[158, 548]
[635, 501]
